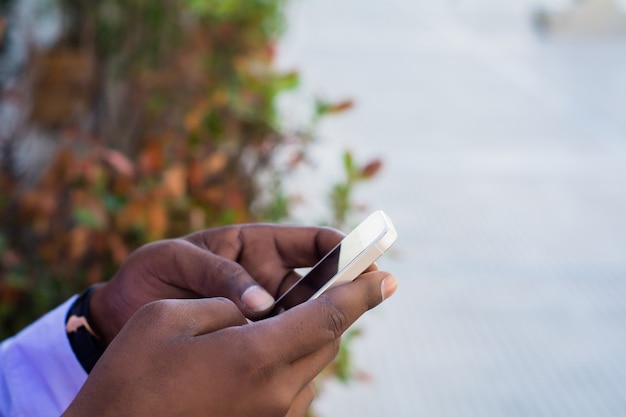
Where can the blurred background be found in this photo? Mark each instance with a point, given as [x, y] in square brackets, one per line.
[502, 134]
[124, 122]
[491, 132]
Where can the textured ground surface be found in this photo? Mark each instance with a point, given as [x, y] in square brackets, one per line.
[506, 177]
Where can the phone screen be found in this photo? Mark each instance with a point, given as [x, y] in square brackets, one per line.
[312, 282]
[359, 249]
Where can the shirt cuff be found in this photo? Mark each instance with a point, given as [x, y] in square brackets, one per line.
[39, 373]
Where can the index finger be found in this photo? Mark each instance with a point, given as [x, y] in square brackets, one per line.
[299, 246]
[296, 246]
[314, 324]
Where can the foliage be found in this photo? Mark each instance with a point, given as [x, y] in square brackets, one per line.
[343, 204]
[341, 193]
[181, 102]
[164, 120]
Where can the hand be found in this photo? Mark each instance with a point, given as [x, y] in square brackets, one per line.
[200, 358]
[249, 264]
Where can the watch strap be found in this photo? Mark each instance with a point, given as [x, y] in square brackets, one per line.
[86, 344]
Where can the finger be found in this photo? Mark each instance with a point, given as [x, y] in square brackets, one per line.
[296, 246]
[302, 402]
[269, 253]
[371, 268]
[316, 323]
[192, 317]
[290, 279]
[211, 275]
[272, 252]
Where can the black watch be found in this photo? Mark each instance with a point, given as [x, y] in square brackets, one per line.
[86, 344]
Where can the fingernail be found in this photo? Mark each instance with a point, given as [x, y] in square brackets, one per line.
[257, 299]
[388, 287]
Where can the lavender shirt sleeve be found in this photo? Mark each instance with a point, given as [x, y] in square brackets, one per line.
[39, 374]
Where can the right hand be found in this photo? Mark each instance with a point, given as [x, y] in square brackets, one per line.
[249, 264]
[201, 358]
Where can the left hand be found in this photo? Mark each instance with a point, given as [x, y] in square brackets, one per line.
[249, 264]
[200, 358]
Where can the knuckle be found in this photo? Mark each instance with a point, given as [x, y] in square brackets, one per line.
[161, 246]
[154, 309]
[229, 308]
[155, 314]
[262, 363]
[336, 318]
[224, 268]
[226, 304]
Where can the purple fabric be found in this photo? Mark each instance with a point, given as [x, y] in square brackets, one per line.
[39, 374]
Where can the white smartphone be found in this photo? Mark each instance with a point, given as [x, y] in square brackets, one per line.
[346, 261]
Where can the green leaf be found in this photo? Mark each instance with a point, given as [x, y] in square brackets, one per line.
[86, 217]
[348, 162]
[287, 81]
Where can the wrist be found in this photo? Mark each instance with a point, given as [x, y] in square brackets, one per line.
[102, 319]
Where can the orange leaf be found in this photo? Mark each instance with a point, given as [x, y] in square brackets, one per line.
[325, 108]
[78, 242]
[342, 106]
[195, 174]
[151, 159]
[174, 181]
[193, 119]
[215, 163]
[118, 248]
[130, 216]
[213, 195]
[157, 222]
[371, 168]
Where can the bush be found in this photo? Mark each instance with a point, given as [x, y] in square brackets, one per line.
[164, 120]
[180, 99]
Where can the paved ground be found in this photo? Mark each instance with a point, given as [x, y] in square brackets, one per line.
[506, 177]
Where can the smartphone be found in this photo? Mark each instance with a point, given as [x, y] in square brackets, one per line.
[346, 261]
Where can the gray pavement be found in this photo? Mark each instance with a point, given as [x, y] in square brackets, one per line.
[505, 173]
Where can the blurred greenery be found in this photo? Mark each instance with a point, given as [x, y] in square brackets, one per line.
[180, 99]
[341, 194]
[164, 118]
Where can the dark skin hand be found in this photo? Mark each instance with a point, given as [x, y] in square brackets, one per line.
[248, 264]
[201, 358]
